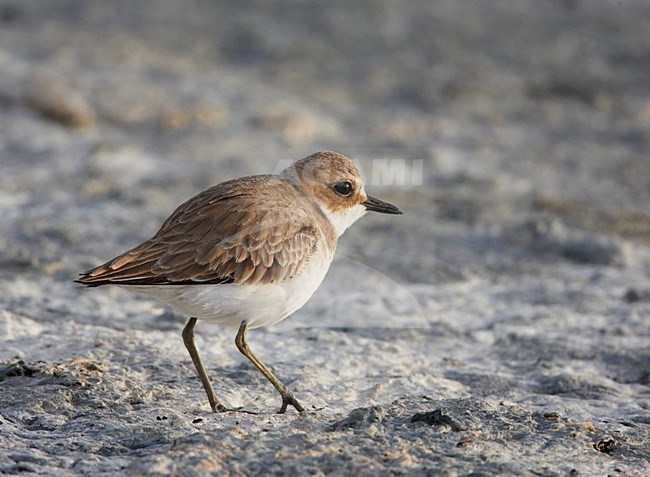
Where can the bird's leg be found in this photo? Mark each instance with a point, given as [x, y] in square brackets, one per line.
[285, 392]
[188, 339]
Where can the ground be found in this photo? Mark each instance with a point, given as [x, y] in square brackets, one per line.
[500, 326]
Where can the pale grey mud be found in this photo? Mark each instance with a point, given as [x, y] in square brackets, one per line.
[500, 326]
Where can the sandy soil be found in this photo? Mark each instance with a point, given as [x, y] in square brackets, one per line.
[500, 326]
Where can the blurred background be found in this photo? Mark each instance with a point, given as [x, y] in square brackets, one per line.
[115, 112]
[496, 111]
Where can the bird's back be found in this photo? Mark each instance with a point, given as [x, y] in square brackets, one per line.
[253, 230]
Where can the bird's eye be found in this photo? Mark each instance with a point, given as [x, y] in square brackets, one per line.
[343, 188]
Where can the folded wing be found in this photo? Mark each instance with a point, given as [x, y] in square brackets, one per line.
[222, 235]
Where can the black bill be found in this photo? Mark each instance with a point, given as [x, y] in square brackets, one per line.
[377, 205]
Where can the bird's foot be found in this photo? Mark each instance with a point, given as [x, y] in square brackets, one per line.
[222, 408]
[287, 399]
[218, 407]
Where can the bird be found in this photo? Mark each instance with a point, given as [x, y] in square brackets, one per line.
[247, 252]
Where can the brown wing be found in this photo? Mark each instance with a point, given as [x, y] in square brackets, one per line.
[222, 236]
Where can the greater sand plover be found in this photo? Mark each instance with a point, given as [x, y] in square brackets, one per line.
[247, 252]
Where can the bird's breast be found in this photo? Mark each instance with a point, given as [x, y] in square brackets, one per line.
[229, 304]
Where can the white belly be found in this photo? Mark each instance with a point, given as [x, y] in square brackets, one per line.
[231, 303]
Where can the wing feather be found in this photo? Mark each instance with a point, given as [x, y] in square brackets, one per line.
[223, 236]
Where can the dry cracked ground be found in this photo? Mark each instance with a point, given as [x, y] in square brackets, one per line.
[499, 327]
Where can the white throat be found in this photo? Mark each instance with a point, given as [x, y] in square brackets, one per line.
[342, 219]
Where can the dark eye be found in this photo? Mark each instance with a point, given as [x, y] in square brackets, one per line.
[343, 188]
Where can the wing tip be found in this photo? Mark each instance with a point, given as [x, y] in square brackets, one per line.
[87, 281]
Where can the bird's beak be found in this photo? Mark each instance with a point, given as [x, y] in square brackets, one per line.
[377, 205]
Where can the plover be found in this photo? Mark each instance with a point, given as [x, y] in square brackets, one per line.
[247, 252]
